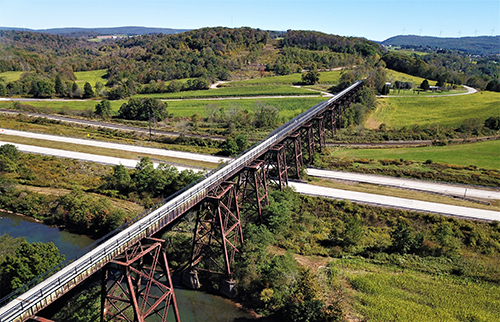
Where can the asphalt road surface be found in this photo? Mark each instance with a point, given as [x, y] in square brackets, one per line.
[303, 188]
[446, 189]
[118, 146]
[421, 185]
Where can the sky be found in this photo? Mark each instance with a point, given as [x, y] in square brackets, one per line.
[372, 19]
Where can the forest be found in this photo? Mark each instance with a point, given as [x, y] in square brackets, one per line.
[144, 64]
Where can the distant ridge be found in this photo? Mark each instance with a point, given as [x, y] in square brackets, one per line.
[481, 45]
[92, 32]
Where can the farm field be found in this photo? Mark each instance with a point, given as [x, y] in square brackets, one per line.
[481, 154]
[268, 90]
[288, 107]
[451, 111]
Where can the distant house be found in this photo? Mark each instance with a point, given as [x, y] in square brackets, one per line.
[433, 88]
[388, 84]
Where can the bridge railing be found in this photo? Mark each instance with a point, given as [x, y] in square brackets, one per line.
[144, 225]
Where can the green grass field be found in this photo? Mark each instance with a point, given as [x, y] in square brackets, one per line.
[332, 77]
[393, 76]
[481, 154]
[288, 107]
[267, 90]
[10, 76]
[411, 93]
[92, 77]
[397, 112]
[57, 106]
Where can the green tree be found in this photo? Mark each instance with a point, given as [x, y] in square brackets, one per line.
[143, 109]
[118, 180]
[87, 90]
[42, 88]
[229, 147]
[29, 261]
[103, 109]
[242, 142]
[425, 85]
[58, 86]
[3, 90]
[266, 116]
[311, 77]
[9, 156]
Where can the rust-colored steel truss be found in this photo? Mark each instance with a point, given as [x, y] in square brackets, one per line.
[136, 285]
[295, 160]
[218, 234]
[252, 188]
[306, 132]
[275, 166]
[319, 132]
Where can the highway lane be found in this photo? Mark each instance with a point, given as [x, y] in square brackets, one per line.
[421, 185]
[118, 146]
[447, 189]
[368, 198]
[85, 156]
[386, 201]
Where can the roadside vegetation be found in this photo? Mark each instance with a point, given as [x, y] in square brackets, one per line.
[75, 194]
[317, 259]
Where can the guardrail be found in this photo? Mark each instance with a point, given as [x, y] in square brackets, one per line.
[72, 273]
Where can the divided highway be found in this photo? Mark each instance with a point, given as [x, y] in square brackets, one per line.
[368, 198]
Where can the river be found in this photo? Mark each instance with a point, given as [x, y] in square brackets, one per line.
[194, 306]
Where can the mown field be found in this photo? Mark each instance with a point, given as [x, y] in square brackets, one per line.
[288, 107]
[393, 75]
[412, 93]
[481, 154]
[267, 90]
[451, 111]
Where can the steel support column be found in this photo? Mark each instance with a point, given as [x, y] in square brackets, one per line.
[218, 234]
[276, 168]
[136, 285]
[308, 140]
[252, 188]
[293, 145]
[319, 132]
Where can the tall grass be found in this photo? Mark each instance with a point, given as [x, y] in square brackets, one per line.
[392, 294]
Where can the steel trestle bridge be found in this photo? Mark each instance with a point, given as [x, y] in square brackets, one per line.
[134, 243]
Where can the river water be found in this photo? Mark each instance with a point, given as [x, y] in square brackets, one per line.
[193, 306]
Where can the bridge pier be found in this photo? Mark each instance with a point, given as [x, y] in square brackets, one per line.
[252, 188]
[293, 145]
[137, 283]
[275, 166]
[218, 234]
